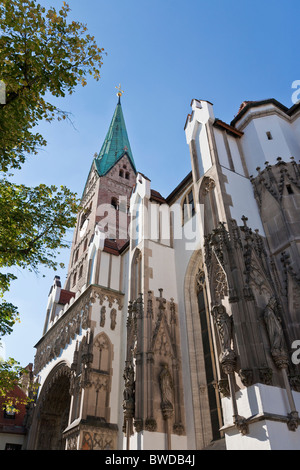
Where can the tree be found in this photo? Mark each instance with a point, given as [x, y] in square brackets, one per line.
[42, 54]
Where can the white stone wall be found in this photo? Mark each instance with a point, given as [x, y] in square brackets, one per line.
[258, 400]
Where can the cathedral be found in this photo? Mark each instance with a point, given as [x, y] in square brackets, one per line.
[177, 327]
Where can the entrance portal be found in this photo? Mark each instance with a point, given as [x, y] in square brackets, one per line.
[54, 412]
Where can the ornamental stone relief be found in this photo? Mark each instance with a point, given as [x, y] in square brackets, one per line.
[72, 322]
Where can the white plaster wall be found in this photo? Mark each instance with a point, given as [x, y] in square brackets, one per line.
[163, 266]
[146, 440]
[252, 149]
[265, 434]
[258, 149]
[158, 441]
[115, 272]
[202, 112]
[104, 267]
[221, 149]
[296, 128]
[235, 155]
[292, 134]
[244, 203]
[202, 148]
[257, 440]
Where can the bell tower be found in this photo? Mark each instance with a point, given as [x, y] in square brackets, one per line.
[80, 354]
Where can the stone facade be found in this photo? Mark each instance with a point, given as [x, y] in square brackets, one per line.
[177, 322]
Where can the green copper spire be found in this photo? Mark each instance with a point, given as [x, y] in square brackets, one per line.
[116, 143]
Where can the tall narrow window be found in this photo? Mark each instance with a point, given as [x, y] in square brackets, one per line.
[114, 203]
[209, 360]
[80, 272]
[269, 135]
[188, 206]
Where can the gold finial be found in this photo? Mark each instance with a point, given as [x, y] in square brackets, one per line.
[120, 92]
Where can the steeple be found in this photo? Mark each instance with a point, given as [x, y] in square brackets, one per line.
[116, 143]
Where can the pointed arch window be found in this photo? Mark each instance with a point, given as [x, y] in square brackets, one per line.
[80, 272]
[102, 363]
[114, 203]
[209, 357]
[188, 206]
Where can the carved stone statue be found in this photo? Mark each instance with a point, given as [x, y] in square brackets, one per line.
[275, 333]
[113, 316]
[224, 325]
[102, 316]
[128, 394]
[166, 387]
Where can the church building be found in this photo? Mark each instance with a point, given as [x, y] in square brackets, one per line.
[178, 324]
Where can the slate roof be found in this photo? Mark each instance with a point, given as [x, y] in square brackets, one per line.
[115, 145]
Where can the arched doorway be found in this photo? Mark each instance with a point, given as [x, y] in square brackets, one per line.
[53, 410]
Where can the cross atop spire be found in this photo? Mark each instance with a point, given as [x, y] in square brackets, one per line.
[120, 92]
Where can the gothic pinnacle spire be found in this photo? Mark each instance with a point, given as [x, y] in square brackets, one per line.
[116, 142]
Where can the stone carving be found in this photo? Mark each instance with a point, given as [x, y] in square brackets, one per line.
[246, 376]
[265, 375]
[275, 333]
[128, 394]
[150, 425]
[101, 342]
[200, 280]
[220, 283]
[223, 387]
[102, 440]
[113, 319]
[102, 316]
[101, 383]
[76, 317]
[224, 326]
[166, 388]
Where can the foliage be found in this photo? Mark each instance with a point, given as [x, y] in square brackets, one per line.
[42, 55]
[40, 52]
[33, 222]
[11, 376]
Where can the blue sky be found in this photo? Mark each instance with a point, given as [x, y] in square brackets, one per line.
[164, 53]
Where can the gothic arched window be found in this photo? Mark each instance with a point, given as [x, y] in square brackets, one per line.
[114, 203]
[209, 357]
[188, 206]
